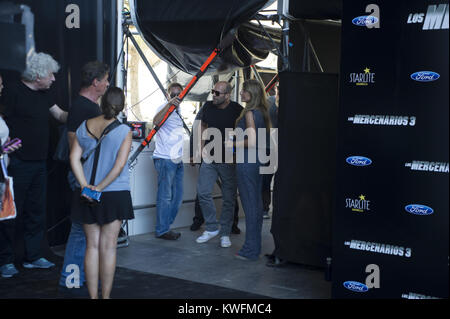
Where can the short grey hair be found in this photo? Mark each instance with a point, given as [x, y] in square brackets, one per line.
[39, 65]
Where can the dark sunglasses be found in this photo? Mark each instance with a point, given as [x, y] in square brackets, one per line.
[216, 93]
[172, 95]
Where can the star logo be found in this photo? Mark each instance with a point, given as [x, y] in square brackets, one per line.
[366, 70]
[362, 197]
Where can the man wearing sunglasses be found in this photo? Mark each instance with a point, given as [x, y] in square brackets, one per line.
[220, 113]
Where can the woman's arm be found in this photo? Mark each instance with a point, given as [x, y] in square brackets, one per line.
[121, 161]
[250, 141]
[75, 161]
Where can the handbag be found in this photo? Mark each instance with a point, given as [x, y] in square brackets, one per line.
[7, 205]
[62, 149]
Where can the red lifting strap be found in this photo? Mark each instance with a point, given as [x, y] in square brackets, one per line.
[226, 41]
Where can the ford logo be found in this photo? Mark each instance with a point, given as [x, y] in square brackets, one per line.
[425, 76]
[355, 286]
[363, 21]
[417, 209]
[358, 161]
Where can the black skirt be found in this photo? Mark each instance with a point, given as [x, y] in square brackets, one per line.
[113, 206]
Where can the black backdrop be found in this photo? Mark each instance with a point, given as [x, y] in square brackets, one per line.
[363, 227]
[304, 182]
[71, 48]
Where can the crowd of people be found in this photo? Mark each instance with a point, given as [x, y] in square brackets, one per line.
[99, 148]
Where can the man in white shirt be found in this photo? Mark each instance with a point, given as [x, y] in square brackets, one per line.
[167, 158]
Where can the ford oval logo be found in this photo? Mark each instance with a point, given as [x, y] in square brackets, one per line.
[358, 161]
[355, 286]
[425, 76]
[363, 21]
[417, 209]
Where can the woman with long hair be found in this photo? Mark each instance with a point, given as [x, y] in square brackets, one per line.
[102, 221]
[254, 116]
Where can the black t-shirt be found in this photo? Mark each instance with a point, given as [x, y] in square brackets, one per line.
[27, 116]
[221, 119]
[82, 109]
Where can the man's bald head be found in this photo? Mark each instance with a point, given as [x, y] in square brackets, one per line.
[224, 88]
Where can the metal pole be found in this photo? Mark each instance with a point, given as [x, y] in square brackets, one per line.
[99, 26]
[257, 76]
[314, 54]
[119, 70]
[283, 12]
[236, 85]
[136, 45]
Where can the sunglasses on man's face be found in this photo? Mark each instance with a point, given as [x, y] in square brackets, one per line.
[172, 95]
[216, 93]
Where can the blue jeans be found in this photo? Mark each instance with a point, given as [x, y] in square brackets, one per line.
[76, 244]
[266, 191]
[170, 193]
[250, 186]
[207, 178]
[75, 251]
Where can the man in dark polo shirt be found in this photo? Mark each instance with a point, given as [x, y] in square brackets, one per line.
[220, 114]
[27, 106]
[94, 82]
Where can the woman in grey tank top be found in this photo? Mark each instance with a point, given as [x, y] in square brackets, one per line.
[102, 221]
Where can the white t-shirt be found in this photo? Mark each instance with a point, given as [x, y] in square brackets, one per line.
[169, 138]
[4, 133]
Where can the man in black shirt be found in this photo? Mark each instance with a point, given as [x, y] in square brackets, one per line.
[220, 114]
[94, 82]
[27, 108]
[198, 219]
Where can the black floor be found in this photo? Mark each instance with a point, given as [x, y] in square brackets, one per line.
[128, 284]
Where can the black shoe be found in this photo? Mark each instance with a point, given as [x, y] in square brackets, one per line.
[275, 262]
[122, 235]
[235, 230]
[170, 235]
[196, 226]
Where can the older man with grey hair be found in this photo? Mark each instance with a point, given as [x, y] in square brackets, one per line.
[28, 105]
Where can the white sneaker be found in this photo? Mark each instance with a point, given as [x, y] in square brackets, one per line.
[225, 241]
[207, 235]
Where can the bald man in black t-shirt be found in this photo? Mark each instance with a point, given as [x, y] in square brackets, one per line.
[220, 114]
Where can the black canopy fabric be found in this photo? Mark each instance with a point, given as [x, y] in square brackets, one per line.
[317, 9]
[184, 33]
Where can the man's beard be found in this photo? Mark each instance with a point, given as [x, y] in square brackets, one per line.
[218, 102]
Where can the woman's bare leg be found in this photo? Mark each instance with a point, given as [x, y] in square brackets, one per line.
[108, 247]
[91, 259]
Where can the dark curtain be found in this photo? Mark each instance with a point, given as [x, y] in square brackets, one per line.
[304, 182]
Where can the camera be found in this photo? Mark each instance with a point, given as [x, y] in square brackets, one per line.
[16, 29]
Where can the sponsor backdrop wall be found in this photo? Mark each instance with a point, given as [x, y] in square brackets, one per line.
[390, 225]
